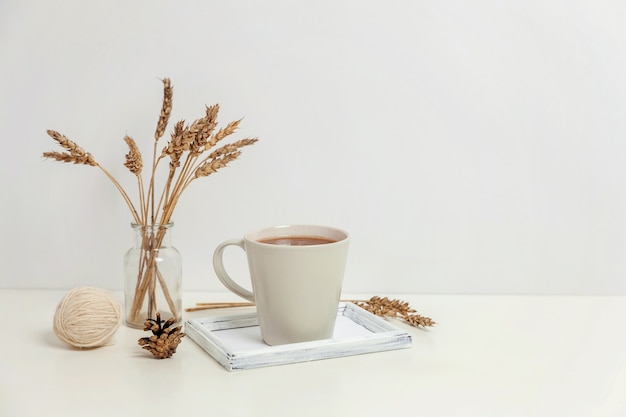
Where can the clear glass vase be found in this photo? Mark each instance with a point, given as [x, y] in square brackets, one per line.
[153, 276]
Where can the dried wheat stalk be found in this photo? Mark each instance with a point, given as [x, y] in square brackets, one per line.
[394, 308]
[185, 150]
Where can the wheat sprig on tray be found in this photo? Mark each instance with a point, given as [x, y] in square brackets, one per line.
[396, 309]
[383, 307]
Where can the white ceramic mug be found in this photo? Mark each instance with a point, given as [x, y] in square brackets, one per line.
[296, 287]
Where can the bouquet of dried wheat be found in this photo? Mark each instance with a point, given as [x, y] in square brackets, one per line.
[192, 154]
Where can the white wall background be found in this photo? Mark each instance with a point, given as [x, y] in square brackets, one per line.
[468, 146]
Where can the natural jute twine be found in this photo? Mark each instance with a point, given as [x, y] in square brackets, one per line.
[87, 317]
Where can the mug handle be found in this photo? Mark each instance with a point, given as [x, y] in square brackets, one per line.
[218, 265]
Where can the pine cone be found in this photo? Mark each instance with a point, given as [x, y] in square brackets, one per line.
[164, 340]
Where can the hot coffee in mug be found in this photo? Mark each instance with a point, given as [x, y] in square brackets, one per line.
[296, 273]
[297, 240]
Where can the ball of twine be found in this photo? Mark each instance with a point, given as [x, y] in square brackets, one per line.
[87, 317]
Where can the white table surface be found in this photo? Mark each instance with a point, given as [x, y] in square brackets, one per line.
[488, 356]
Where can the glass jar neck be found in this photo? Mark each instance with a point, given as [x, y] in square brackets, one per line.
[152, 235]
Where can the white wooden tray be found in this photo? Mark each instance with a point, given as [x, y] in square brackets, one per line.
[235, 341]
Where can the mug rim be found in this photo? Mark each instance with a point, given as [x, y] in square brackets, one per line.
[331, 232]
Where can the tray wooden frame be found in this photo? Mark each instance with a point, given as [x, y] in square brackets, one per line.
[378, 335]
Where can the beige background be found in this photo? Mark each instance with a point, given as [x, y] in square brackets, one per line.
[469, 147]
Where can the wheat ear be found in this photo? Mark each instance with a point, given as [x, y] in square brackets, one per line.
[77, 155]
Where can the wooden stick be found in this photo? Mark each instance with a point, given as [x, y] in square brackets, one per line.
[211, 306]
[226, 303]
